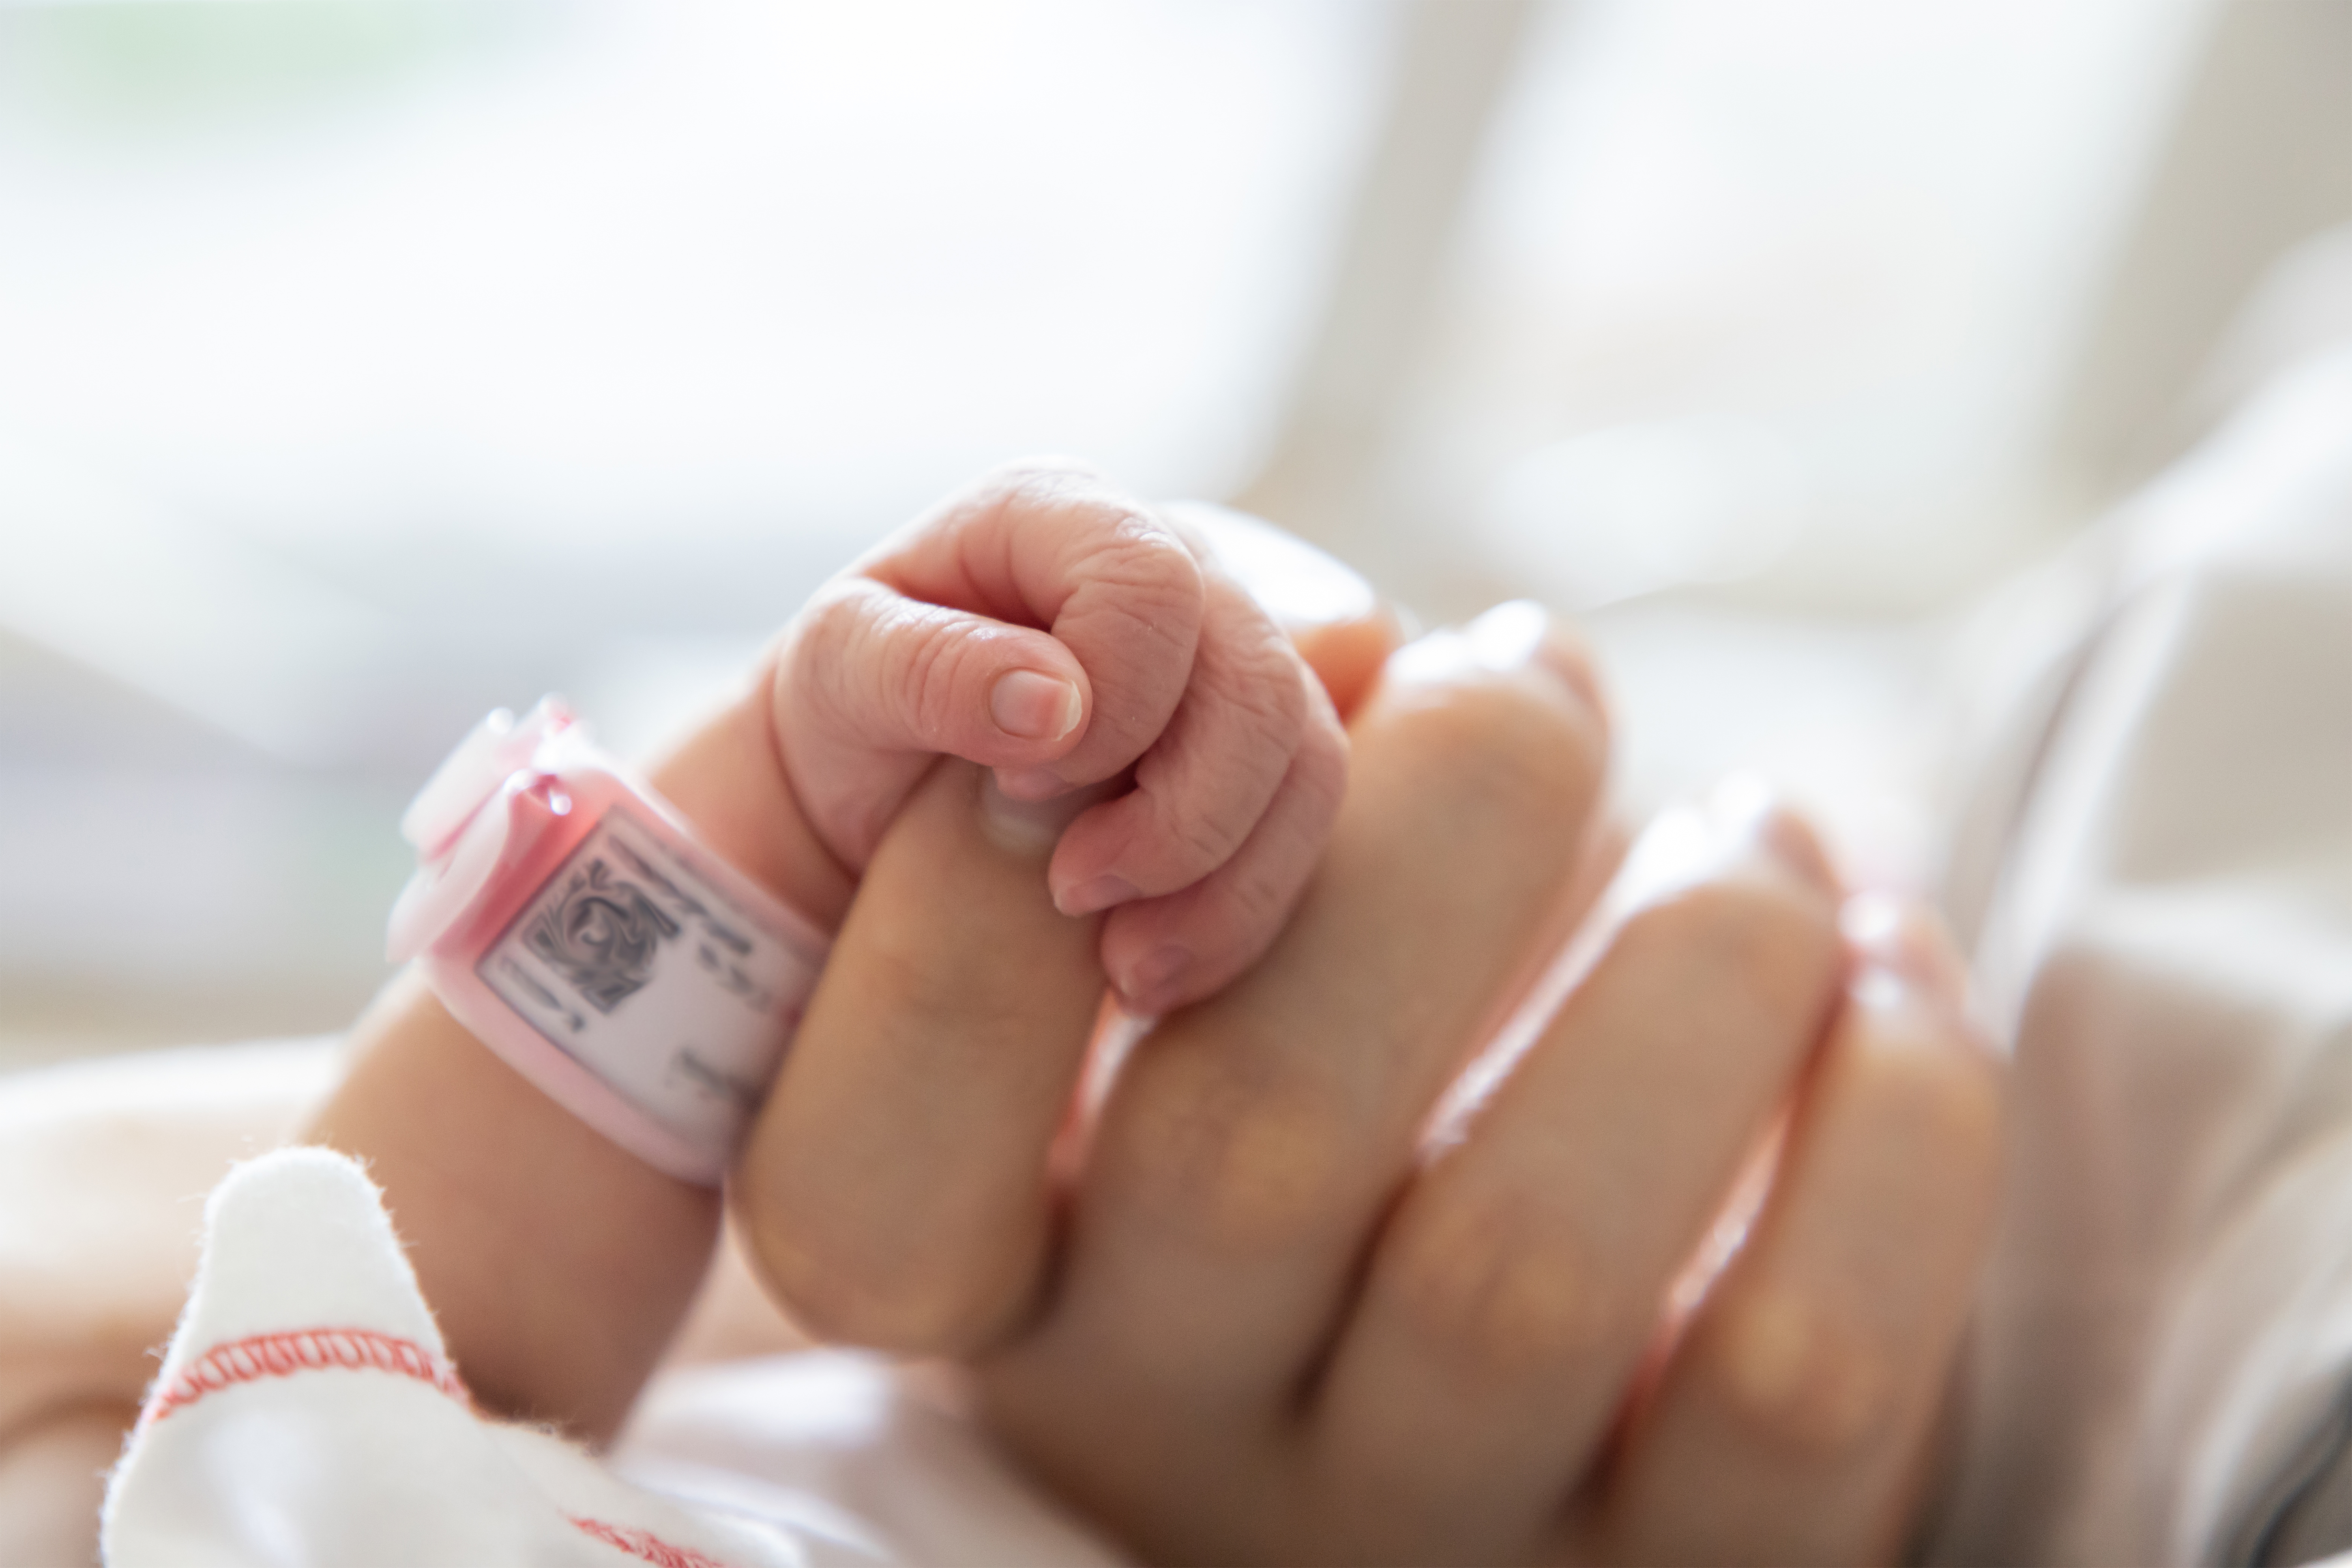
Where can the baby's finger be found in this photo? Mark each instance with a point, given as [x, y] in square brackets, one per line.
[1056, 546]
[871, 684]
[1205, 782]
[1334, 620]
[1163, 953]
[1800, 1401]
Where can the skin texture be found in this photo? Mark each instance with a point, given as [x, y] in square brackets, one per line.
[1297, 1289]
[1044, 597]
[1306, 1291]
[560, 1267]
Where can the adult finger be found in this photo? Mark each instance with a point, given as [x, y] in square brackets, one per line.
[892, 1189]
[1793, 1420]
[1524, 1270]
[895, 1188]
[1250, 1141]
[1040, 547]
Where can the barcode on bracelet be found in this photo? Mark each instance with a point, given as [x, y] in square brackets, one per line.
[633, 964]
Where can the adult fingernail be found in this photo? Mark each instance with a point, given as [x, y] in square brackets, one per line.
[1030, 784]
[1522, 635]
[1508, 636]
[1030, 827]
[1901, 937]
[1152, 974]
[1679, 848]
[1100, 894]
[1745, 804]
[1032, 706]
[1511, 637]
[1881, 988]
[1878, 925]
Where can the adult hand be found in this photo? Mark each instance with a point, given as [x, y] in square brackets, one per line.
[1304, 1288]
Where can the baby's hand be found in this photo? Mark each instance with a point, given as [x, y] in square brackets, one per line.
[1046, 626]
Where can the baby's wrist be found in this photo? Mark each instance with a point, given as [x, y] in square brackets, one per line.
[726, 777]
[578, 925]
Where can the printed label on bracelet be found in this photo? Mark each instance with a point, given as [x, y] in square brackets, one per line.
[640, 970]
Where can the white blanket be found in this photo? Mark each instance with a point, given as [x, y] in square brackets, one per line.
[2162, 866]
[307, 1415]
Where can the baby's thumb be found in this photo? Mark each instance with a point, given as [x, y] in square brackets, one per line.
[872, 684]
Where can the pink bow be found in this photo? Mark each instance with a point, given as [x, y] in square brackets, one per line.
[459, 843]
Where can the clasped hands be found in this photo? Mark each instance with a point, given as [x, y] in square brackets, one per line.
[1364, 1258]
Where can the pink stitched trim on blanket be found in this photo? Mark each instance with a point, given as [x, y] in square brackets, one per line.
[644, 1544]
[284, 1353]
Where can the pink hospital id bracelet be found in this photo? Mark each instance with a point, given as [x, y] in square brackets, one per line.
[569, 917]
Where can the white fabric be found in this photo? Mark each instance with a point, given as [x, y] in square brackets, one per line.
[306, 1415]
[2169, 935]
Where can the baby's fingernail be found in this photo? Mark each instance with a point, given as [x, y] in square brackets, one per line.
[1155, 972]
[1100, 894]
[1030, 827]
[1034, 706]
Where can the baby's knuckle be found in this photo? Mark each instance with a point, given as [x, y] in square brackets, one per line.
[1262, 680]
[1205, 838]
[825, 639]
[926, 687]
[1495, 1290]
[1125, 545]
[1319, 768]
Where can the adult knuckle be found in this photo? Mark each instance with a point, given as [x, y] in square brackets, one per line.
[1243, 1168]
[1948, 1105]
[1802, 1379]
[896, 1300]
[1769, 944]
[1497, 1288]
[940, 995]
[1493, 749]
[933, 1282]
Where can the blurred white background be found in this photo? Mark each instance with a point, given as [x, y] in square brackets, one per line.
[368, 364]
